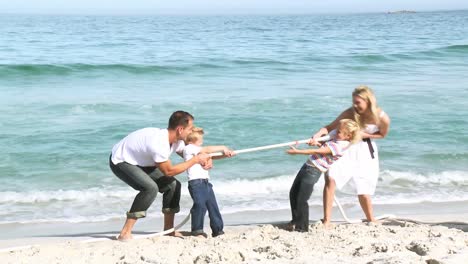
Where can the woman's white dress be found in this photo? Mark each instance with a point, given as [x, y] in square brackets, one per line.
[357, 164]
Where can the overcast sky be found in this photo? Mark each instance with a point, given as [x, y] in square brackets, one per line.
[225, 6]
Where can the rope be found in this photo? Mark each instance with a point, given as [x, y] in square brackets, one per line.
[325, 138]
[355, 221]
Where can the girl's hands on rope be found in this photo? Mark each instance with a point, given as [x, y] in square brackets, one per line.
[293, 150]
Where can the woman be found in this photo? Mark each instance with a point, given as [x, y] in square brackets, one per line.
[361, 160]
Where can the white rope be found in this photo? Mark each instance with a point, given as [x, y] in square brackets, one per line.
[324, 138]
[162, 233]
[355, 221]
[165, 232]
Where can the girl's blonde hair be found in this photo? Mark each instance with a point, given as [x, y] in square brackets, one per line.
[366, 94]
[352, 128]
[196, 134]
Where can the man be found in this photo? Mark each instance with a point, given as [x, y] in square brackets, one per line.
[142, 161]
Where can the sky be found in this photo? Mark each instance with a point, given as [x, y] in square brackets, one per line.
[225, 6]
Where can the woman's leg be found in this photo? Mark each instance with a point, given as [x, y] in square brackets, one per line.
[328, 195]
[366, 205]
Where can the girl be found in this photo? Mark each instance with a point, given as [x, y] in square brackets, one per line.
[319, 161]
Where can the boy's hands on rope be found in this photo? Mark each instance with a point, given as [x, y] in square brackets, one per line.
[228, 152]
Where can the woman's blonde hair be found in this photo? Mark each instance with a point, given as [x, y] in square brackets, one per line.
[366, 94]
[352, 128]
[196, 134]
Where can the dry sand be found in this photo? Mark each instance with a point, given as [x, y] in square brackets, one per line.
[393, 241]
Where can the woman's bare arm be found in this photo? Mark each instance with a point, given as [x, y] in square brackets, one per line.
[384, 127]
[348, 113]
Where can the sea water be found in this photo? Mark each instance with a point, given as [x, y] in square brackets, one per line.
[73, 86]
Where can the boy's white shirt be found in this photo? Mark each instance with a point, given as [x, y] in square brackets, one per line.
[196, 171]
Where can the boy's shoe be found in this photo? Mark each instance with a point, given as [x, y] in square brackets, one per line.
[199, 233]
[217, 234]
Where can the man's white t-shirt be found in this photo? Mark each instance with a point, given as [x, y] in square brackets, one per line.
[145, 147]
[196, 171]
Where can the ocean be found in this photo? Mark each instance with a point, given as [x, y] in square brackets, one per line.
[73, 86]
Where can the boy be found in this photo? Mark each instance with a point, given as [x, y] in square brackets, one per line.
[201, 190]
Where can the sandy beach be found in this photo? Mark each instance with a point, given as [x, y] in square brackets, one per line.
[391, 241]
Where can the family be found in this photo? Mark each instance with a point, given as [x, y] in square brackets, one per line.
[142, 160]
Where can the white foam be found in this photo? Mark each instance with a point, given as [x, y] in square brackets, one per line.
[246, 187]
[445, 178]
[238, 195]
[64, 195]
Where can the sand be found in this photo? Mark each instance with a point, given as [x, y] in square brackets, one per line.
[392, 241]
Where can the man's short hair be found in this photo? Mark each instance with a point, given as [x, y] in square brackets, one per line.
[179, 118]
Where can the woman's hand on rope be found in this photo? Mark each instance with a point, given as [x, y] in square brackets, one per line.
[314, 142]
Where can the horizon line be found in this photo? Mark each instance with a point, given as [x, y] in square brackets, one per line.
[238, 11]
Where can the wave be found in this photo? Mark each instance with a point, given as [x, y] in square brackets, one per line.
[265, 204]
[234, 196]
[35, 197]
[213, 64]
[446, 157]
[463, 48]
[77, 68]
[235, 188]
[451, 51]
[12, 70]
[448, 179]
[373, 58]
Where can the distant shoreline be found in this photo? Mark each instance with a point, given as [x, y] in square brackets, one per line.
[402, 12]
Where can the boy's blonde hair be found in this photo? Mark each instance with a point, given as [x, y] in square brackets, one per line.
[366, 94]
[196, 134]
[353, 129]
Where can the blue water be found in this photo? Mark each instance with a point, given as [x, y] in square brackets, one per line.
[73, 86]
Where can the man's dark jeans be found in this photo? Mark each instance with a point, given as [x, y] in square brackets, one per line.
[149, 181]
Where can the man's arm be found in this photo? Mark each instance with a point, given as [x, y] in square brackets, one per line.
[172, 170]
[348, 113]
